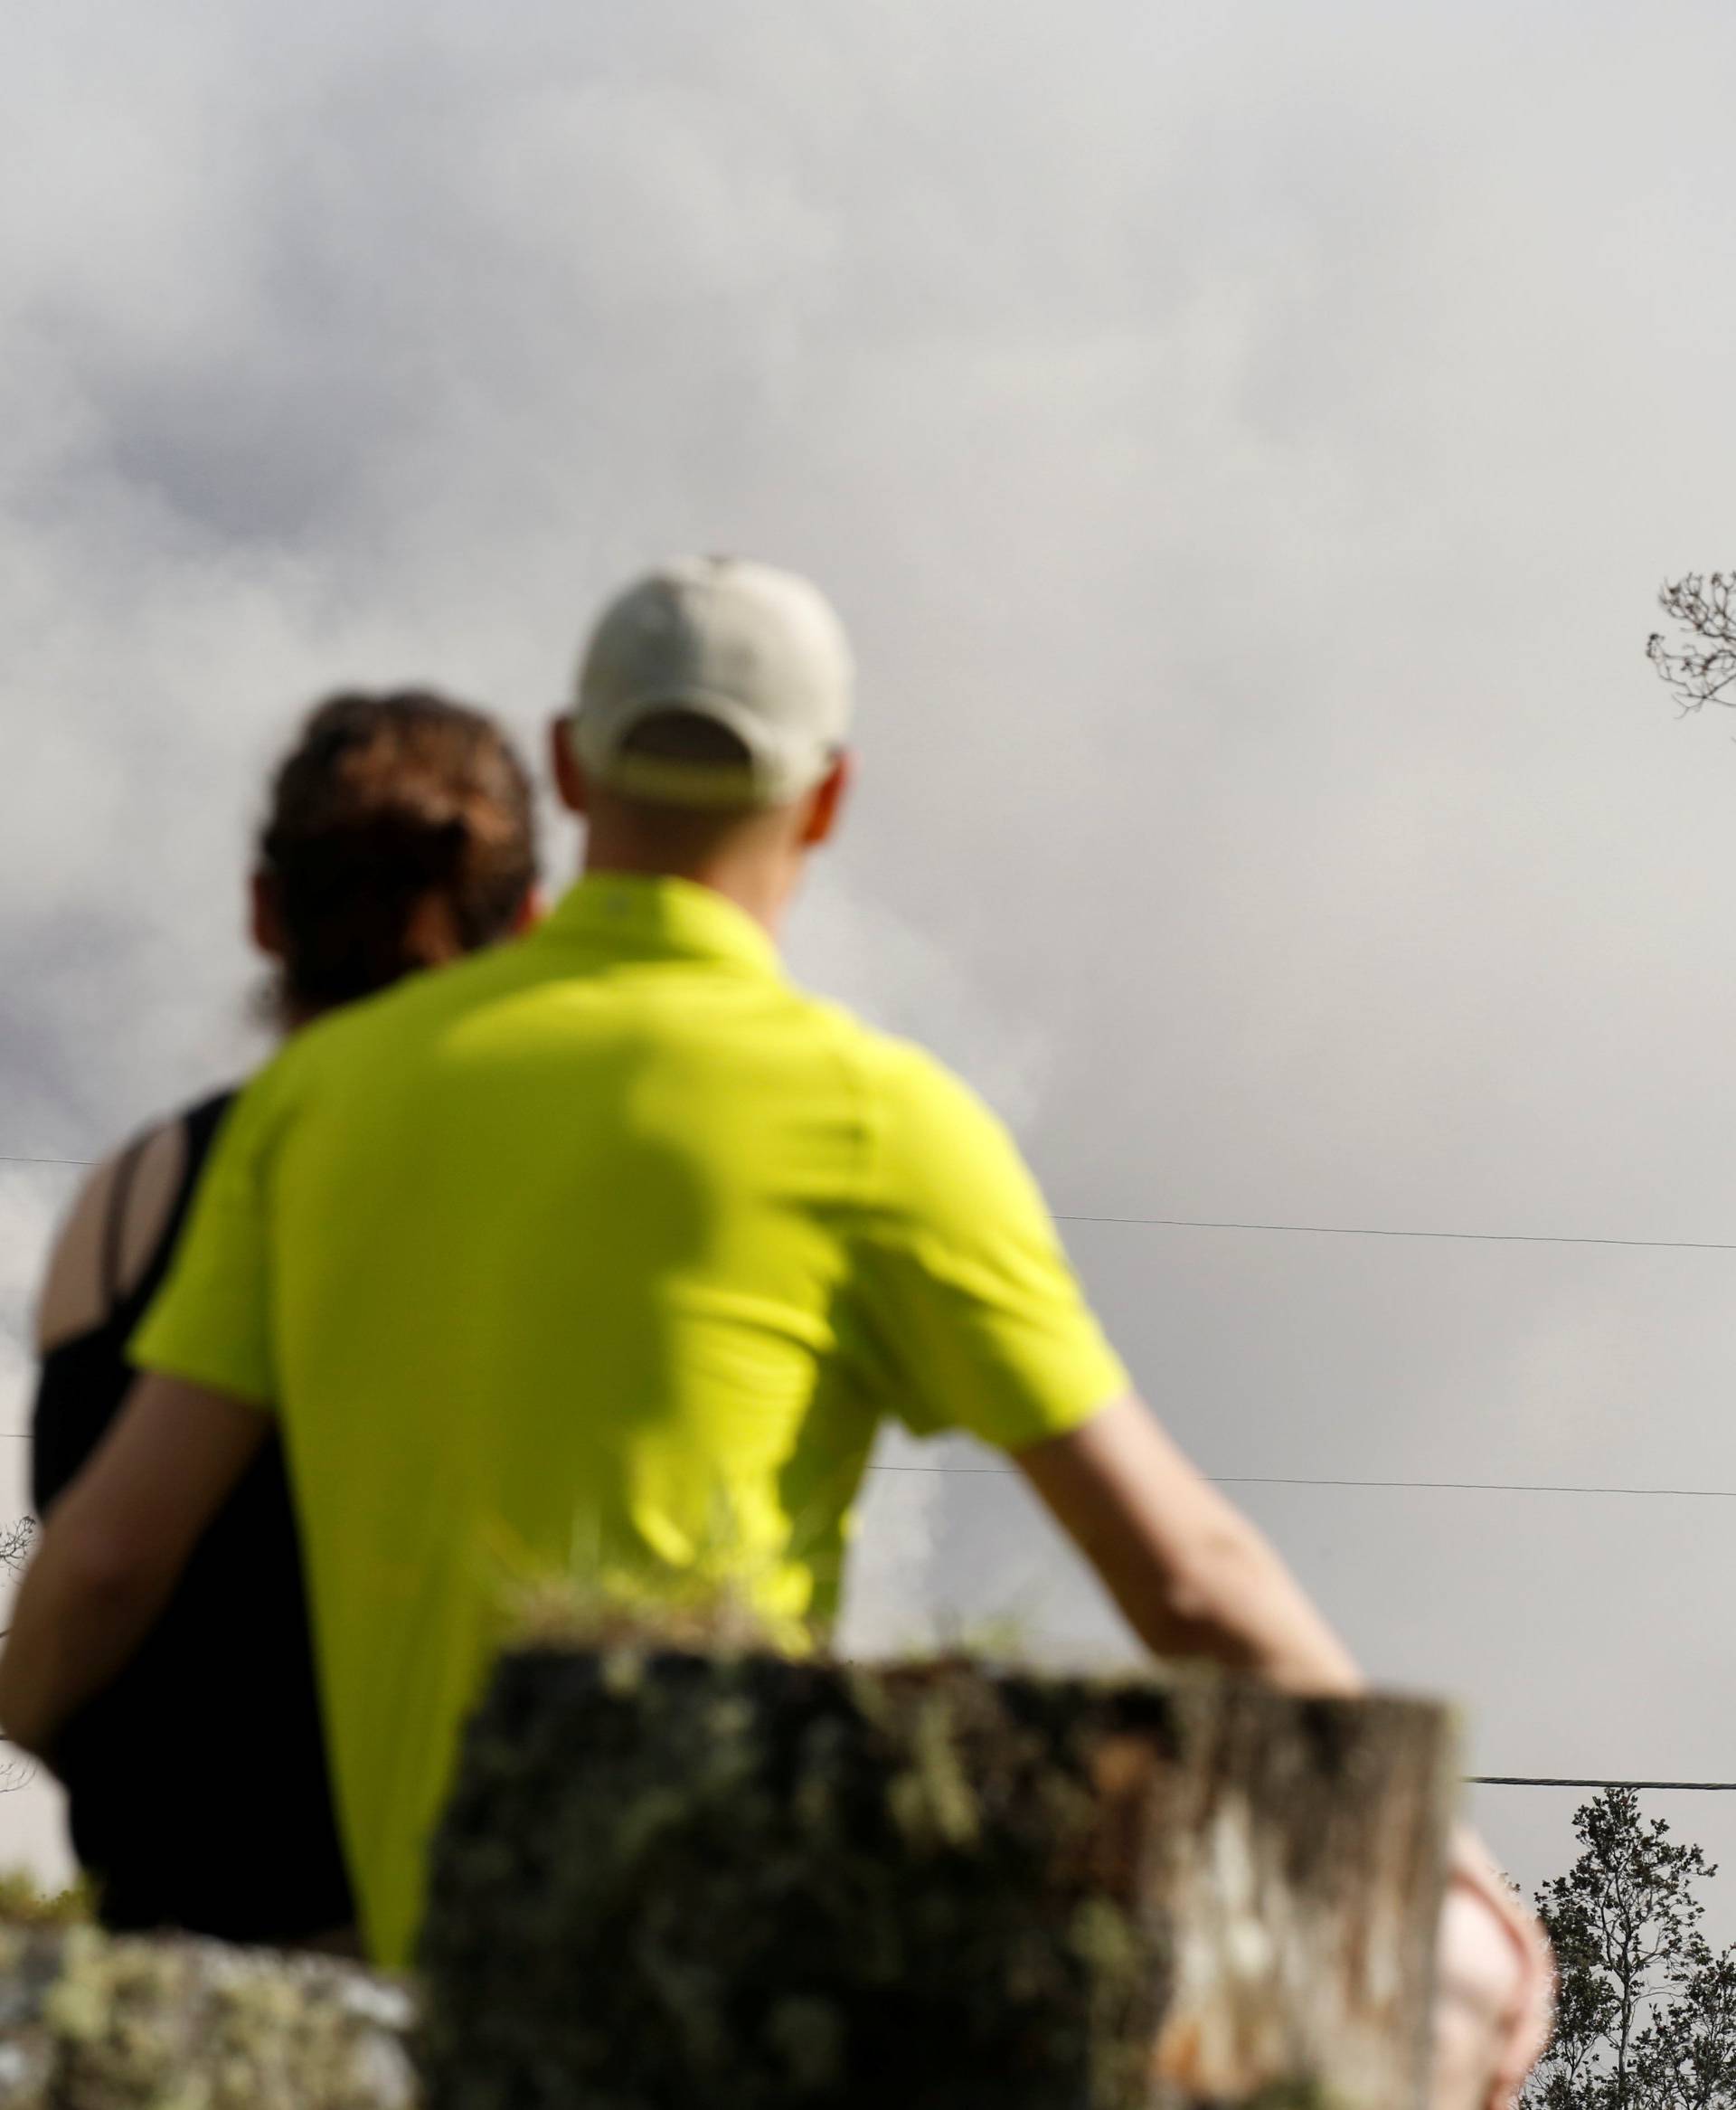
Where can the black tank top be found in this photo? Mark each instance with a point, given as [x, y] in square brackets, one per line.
[196, 1783]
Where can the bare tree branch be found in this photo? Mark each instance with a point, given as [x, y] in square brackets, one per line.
[1702, 668]
[15, 1551]
[14, 1545]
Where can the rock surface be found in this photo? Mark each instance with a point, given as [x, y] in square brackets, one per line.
[88, 2022]
[668, 1879]
[671, 1879]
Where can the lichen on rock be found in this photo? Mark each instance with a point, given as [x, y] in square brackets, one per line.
[88, 2022]
[753, 1881]
[677, 1876]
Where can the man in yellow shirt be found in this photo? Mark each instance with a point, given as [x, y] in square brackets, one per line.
[611, 1250]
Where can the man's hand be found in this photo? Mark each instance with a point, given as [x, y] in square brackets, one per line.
[113, 1547]
[1493, 1986]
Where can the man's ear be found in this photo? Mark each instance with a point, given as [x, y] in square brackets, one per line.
[565, 768]
[825, 801]
[265, 919]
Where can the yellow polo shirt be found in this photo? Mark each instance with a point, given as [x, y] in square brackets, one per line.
[605, 1252]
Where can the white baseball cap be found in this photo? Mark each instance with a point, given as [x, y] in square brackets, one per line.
[758, 650]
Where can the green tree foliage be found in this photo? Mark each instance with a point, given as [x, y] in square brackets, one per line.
[1646, 2012]
[1686, 2056]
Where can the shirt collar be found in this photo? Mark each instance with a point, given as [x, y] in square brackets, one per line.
[661, 918]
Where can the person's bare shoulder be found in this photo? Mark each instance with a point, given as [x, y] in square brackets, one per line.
[76, 1288]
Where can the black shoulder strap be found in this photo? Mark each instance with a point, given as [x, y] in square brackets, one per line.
[202, 1123]
[199, 1127]
[114, 1221]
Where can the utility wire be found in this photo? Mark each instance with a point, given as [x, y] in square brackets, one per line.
[1516, 1780]
[1525, 1780]
[1500, 1487]
[1295, 1230]
[1492, 1487]
[1391, 1231]
[1492, 1780]
[1475, 1779]
[1520, 1780]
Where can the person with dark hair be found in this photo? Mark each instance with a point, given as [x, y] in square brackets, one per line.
[399, 834]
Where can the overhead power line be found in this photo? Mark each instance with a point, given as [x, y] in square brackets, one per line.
[1519, 1780]
[1526, 1780]
[1290, 1230]
[1497, 1486]
[1392, 1231]
[1506, 1780]
[1493, 1487]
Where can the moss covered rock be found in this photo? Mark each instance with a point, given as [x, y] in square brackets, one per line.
[675, 1879]
[88, 2022]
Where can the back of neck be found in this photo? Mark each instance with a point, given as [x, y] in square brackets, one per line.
[758, 885]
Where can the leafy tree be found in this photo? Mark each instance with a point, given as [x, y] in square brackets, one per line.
[1685, 2057]
[1701, 669]
[1646, 2012]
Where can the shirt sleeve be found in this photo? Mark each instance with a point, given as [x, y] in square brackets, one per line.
[970, 1298]
[210, 1322]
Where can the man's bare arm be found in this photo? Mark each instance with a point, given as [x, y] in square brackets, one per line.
[1195, 1578]
[113, 1546]
[1190, 1573]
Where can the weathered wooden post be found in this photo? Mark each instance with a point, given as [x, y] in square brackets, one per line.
[673, 1880]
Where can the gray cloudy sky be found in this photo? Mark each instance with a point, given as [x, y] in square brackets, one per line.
[1244, 442]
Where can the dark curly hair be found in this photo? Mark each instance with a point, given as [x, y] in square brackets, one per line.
[384, 800]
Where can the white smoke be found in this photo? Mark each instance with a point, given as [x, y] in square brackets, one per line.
[1242, 440]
